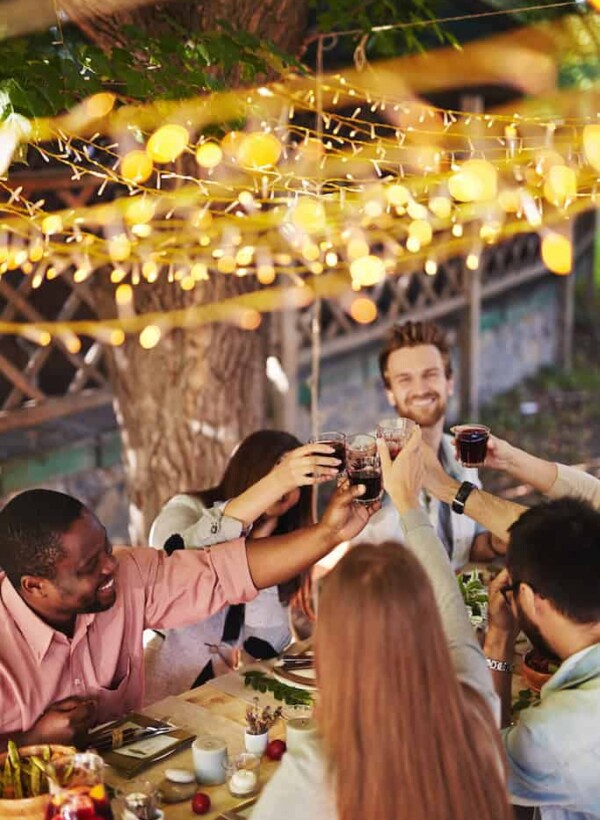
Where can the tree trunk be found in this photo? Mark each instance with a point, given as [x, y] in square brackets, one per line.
[183, 405]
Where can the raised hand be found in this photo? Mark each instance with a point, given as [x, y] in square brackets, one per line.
[345, 518]
[499, 453]
[309, 464]
[403, 477]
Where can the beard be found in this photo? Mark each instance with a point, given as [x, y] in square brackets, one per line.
[534, 634]
[424, 416]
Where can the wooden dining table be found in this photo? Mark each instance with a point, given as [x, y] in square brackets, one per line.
[218, 708]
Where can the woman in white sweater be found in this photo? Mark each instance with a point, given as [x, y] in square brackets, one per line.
[407, 706]
[264, 491]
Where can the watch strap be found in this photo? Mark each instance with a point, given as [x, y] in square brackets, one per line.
[460, 499]
[500, 666]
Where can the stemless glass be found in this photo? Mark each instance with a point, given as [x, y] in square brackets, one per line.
[363, 466]
[335, 440]
[78, 791]
[396, 431]
[471, 443]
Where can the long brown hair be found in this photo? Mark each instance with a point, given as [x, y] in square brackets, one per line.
[254, 458]
[403, 738]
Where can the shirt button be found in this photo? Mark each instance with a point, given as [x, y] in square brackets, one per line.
[78, 681]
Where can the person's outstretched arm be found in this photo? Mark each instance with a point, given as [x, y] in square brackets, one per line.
[402, 479]
[495, 514]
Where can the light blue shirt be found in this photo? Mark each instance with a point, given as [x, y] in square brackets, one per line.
[554, 750]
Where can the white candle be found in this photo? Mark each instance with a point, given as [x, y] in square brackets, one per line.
[298, 731]
[243, 781]
[210, 756]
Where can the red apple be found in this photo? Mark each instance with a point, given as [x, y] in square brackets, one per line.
[276, 749]
[200, 803]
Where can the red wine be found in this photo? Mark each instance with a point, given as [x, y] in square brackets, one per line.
[339, 451]
[394, 447]
[472, 445]
[372, 481]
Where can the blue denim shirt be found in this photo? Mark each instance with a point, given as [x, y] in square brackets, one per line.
[554, 750]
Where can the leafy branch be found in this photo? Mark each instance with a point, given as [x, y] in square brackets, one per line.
[261, 682]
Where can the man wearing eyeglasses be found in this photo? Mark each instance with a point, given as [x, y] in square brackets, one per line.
[550, 590]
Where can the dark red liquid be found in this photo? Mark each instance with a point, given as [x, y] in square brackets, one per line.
[339, 452]
[372, 481]
[394, 447]
[472, 446]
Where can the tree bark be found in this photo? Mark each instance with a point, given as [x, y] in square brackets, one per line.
[183, 405]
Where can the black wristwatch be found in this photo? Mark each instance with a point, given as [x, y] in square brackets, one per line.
[460, 499]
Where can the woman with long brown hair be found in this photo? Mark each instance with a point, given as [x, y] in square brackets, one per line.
[264, 491]
[407, 707]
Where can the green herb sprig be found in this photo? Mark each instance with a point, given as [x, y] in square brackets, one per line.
[280, 691]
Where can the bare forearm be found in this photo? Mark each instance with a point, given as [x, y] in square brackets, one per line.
[253, 502]
[500, 647]
[275, 560]
[495, 514]
[532, 470]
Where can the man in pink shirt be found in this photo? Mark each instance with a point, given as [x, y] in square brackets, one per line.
[72, 613]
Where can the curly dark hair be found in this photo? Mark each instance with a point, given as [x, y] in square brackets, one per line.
[31, 526]
[413, 334]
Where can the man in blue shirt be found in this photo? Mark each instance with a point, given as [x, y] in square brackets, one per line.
[551, 590]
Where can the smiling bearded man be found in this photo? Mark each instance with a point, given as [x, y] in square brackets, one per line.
[416, 367]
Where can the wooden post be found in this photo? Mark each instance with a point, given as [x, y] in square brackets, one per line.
[470, 347]
[286, 403]
[567, 320]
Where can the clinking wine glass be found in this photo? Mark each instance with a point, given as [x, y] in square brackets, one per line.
[363, 466]
[396, 431]
[335, 440]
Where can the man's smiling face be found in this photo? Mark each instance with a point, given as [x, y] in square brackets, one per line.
[418, 386]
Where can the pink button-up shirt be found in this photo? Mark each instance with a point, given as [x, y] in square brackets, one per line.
[104, 658]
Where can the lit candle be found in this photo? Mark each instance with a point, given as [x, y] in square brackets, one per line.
[243, 781]
[298, 731]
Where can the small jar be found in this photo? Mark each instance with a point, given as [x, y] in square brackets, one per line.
[242, 774]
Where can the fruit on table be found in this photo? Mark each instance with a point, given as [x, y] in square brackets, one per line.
[276, 749]
[200, 803]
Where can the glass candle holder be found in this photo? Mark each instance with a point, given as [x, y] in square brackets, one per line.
[242, 774]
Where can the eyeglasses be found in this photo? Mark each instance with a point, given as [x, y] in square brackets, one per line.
[509, 589]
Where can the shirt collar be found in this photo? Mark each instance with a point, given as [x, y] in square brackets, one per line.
[38, 634]
[575, 670]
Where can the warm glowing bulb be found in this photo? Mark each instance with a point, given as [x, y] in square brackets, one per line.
[510, 200]
[226, 264]
[373, 209]
[140, 210]
[363, 310]
[199, 271]
[560, 185]
[416, 211]
[124, 295]
[72, 343]
[367, 270]
[591, 136]
[309, 216]
[475, 181]
[557, 253]
[187, 283]
[52, 224]
[413, 245]
[431, 267]
[209, 155]
[117, 275]
[310, 251]
[259, 150]
[231, 142]
[457, 229]
[82, 273]
[421, 229]
[116, 337]
[166, 144]
[99, 105]
[357, 248]
[331, 259]
[398, 195]
[150, 336]
[119, 248]
[246, 199]
[250, 319]
[440, 206]
[265, 274]
[150, 270]
[136, 167]
[472, 261]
